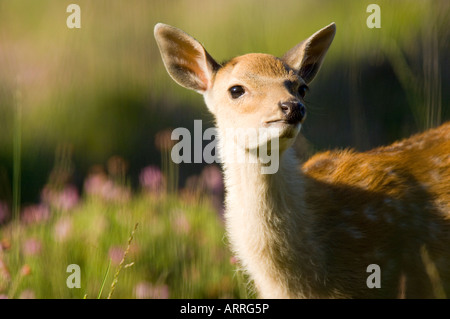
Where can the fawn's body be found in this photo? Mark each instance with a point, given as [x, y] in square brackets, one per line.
[311, 232]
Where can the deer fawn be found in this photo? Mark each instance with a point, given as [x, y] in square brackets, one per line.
[311, 231]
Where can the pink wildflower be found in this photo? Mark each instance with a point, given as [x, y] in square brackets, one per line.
[146, 290]
[35, 214]
[212, 179]
[32, 247]
[152, 179]
[64, 199]
[116, 254]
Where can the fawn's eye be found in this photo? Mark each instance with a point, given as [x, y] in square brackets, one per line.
[302, 90]
[236, 91]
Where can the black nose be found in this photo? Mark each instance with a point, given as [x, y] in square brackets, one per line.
[294, 111]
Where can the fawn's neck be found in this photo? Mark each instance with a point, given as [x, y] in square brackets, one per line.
[264, 218]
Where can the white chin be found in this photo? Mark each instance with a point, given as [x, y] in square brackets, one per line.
[290, 131]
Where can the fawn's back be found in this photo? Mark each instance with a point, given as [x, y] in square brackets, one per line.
[389, 207]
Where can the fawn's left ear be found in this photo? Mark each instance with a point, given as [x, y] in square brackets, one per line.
[187, 62]
[307, 56]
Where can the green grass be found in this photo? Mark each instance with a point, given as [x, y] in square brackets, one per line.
[178, 248]
[88, 85]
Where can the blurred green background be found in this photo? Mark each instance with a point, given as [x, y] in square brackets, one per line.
[103, 89]
[71, 99]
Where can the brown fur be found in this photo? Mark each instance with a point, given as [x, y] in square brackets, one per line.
[383, 207]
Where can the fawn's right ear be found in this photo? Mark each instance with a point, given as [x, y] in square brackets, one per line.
[187, 62]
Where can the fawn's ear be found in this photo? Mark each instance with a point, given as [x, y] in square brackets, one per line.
[185, 59]
[307, 56]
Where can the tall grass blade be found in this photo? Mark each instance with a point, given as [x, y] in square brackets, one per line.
[17, 150]
[104, 280]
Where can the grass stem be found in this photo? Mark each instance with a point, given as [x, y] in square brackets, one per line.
[116, 275]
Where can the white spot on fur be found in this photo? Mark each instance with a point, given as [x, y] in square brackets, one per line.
[436, 160]
[354, 232]
[435, 176]
[395, 204]
[388, 218]
[351, 231]
[370, 214]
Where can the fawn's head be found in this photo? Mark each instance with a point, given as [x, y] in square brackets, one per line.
[252, 91]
